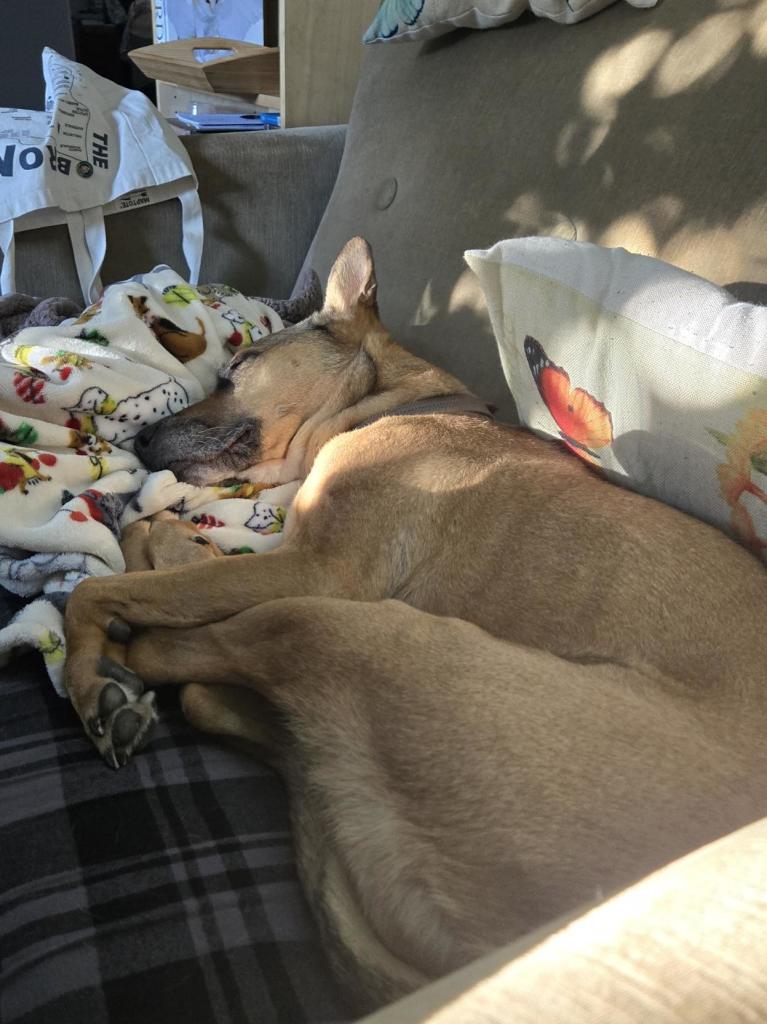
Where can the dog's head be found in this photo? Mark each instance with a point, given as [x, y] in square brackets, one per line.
[278, 400]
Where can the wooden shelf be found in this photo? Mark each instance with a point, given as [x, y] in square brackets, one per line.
[311, 77]
[248, 71]
[320, 56]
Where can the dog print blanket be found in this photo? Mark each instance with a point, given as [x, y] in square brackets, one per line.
[72, 398]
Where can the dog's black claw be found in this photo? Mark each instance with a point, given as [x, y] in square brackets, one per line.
[112, 670]
[96, 726]
[115, 759]
[111, 697]
[119, 631]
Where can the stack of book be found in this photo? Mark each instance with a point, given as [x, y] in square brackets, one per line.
[228, 122]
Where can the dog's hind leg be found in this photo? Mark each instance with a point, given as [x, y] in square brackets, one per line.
[243, 716]
[234, 713]
[340, 673]
[291, 646]
[449, 789]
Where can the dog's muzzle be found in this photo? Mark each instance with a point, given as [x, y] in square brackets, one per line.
[191, 448]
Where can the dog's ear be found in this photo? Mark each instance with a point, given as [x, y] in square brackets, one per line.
[352, 281]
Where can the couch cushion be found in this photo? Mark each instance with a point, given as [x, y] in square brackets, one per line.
[637, 128]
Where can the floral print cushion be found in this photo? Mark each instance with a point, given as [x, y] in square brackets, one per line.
[400, 20]
[654, 376]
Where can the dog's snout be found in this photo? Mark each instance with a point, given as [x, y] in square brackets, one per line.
[143, 439]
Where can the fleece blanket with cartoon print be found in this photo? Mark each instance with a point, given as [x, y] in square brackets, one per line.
[72, 398]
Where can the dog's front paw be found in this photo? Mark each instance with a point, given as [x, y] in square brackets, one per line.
[124, 715]
[117, 714]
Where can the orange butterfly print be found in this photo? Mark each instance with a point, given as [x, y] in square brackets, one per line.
[584, 423]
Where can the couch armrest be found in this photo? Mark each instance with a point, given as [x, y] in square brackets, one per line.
[684, 944]
[263, 194]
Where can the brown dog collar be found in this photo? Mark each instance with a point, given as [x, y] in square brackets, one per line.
[463, 404]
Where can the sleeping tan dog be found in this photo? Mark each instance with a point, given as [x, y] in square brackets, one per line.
[498, 686]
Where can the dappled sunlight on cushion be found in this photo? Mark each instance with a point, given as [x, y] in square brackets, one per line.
[661, 141]
[427, 308]
[528, 215]
[467, 294]
[640, 231]
[723, 252]
[633, 230]
[705, 52]
[619, 70]
[758, 29]
[597, 136]
[660, 228]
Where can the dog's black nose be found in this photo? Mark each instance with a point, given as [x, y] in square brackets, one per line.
[143, 439]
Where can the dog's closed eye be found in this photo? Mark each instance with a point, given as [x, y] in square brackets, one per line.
[227, 372]
[234, 364]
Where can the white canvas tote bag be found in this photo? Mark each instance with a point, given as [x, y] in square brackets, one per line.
[97, 149]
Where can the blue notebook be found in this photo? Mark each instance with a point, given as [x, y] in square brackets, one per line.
[229, 122]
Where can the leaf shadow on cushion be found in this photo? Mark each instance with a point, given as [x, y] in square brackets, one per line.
[605, 129]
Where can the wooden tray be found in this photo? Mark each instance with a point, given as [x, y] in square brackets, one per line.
[250, 69]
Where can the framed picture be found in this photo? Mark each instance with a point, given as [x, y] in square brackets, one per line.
[192, 19]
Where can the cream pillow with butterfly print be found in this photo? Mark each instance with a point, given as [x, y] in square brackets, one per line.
[650, 374]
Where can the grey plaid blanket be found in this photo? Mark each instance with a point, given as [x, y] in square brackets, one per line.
[160, 894]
